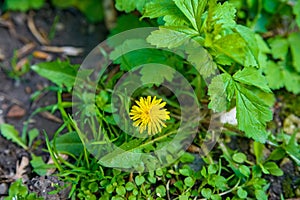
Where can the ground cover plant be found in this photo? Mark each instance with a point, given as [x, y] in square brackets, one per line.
[200, 104]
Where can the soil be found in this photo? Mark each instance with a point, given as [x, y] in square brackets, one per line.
[16, 105]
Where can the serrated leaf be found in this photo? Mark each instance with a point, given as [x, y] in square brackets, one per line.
[201, 59]
[220, 91]
[156, 74]
[292, 148]
[166, 9]
[252, 113]
[294, 40]
[248, 35]
[167, 37]
[193, 10]
[252, 76]
[60, 73]
[224, 14]
[10, 133]
[279, 47]
[234, 47]
[278, 75]
[296, 11]
[130, 5]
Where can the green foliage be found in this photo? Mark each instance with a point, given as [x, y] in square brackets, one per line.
[59, 72]
[92, 9]
[23, 5]
[18, 190]
[10, 133]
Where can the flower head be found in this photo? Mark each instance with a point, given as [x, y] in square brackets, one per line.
[149, 114]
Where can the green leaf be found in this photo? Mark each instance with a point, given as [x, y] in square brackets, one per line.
[224, 15]
[121, 190]
[258, 151]
[277, 154]
[221, 91]
[273, 169]
[252, 113]
[39, 166]
[294, 40]
[32, 134]
[129, 186]
[136, 52]
[189, 181]
[201, 60]
[160, 191]
[279, 47]
[212, 169]
[220, 182]
[239, 157]
[248, 35]
[296, 11]
[170, 38]
[206, 192]
[244, 170]
[292, 148]
[252, 76]
[156, 74]
[166, 9]
[92, 9]
[279, 75]
[60, 73]
[235, 47]
[18, 189]
[260, 194]
[130, 5]
[10, 133]
[23, 5]
[139, 180]
[185, 172]
[242, 193]
[193, 10]
[69, 143]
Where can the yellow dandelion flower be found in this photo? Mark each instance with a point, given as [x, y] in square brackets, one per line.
[149, 114]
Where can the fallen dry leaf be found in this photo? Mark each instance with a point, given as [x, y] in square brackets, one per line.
[16, 111]
[20, 168]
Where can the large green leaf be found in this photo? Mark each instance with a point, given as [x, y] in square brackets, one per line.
[193, 10]
[166, 9]
[252, 76]
[252, 113]
[156, 73]
[61, 73]
[166, 37]
[201, 59]
[10, 133]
